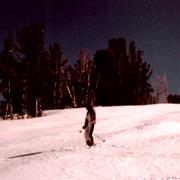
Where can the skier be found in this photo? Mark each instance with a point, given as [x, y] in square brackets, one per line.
[89, 124]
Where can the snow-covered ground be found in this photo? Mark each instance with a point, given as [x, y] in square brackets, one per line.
[141, 142]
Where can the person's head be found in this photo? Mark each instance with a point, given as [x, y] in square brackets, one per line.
[89, 107]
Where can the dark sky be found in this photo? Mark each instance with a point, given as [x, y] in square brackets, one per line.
[88, 24]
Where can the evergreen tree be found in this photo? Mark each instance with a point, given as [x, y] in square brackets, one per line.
[58, 81]
[31, 49]
[33, 78]
[106, 78]
[123, 75]
[11, 84]
[137, 78]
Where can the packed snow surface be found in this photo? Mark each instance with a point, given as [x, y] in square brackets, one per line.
[141, 142]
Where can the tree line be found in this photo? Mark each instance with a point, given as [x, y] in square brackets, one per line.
[34, 78]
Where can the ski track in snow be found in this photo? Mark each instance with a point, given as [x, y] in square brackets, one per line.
[142, 142]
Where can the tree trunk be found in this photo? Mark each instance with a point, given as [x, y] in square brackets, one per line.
[87, 95]
[38, 107]
[72, 95]
[9, 107]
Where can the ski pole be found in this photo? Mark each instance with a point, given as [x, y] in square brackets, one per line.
[99, 137]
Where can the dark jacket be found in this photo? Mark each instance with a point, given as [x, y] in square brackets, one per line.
[90, 118]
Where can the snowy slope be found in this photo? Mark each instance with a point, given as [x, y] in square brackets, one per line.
[142, 142]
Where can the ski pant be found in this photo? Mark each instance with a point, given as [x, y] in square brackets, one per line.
[88, 134]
